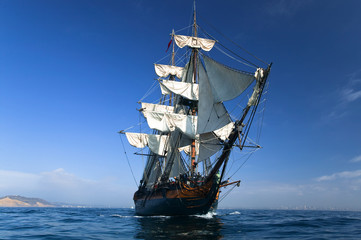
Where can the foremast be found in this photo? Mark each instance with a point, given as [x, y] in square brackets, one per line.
[261, 78]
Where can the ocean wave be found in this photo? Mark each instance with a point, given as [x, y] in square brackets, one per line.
[235, 213]
[208, 215]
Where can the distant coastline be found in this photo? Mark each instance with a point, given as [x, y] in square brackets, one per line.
[20, 201]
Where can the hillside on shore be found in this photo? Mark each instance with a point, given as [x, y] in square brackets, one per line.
[19, 201]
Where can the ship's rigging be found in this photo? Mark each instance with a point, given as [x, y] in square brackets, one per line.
[192, 133]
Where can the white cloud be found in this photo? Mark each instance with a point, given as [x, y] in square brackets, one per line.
[61, 186]
[356, 159]
[350, 95]
[345, 174]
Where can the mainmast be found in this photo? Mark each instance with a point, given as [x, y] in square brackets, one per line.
[172, 63]
[172, 47]
[195, 51]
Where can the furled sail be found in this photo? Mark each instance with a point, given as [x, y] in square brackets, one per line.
[168, 122]
[165, 70]
[156, 107]
[156, 143]
[258, 75]
[194, 42]
[186, 90]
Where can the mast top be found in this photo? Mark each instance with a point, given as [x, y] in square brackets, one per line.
[194, 19]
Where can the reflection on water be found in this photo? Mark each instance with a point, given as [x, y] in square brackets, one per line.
[121, 223]
[185, 227]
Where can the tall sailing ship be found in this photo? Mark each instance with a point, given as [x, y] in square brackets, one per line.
[193, 133]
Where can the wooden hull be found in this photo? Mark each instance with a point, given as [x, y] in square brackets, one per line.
[181, 200]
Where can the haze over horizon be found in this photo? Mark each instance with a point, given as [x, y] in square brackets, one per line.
[71, 73]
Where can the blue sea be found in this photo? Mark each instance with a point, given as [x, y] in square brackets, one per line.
[121, 223]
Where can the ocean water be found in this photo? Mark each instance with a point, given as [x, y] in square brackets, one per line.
[121, 223]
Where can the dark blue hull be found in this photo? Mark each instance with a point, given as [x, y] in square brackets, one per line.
[171, 203]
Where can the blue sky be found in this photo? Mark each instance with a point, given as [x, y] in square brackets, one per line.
[71, 73]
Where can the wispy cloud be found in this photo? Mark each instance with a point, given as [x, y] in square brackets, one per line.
[344, 174]
[345, 96]
[356, 159]
[284, 7]
[350, 95]
[352, 91]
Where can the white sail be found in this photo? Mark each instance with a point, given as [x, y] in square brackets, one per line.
[156, 143]
[194, 42]
[186, 90]
[138, 140]
[169, 122]
[165, 70]
[156, 120]
[207, 144]
[212, 115]
[156, 107]
[187, 124]
[224, 132]
[225, 82]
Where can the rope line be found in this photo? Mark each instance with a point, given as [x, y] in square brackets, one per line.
[242, 48]
[249, 62]
[126, 156]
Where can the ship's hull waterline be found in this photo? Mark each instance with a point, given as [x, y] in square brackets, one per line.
[174, 202]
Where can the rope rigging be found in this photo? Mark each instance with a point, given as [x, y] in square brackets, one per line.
[249, 63]
[227, 38]
[226, 194]
[231, 54]
[126, 156]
